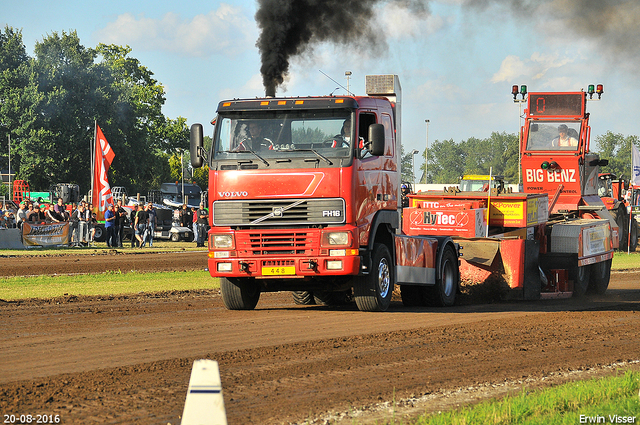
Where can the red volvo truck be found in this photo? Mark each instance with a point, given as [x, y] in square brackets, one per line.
[304, 197]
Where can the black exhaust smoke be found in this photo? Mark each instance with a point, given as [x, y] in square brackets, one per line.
[289, 27]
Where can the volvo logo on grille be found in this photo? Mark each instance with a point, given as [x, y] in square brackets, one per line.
[331, 213]
[277, 211]
[232, 194]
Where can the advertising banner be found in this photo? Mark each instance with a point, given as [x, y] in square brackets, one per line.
[51, 234]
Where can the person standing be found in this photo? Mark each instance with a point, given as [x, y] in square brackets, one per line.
[22, 214]
[121, 215]
[132, 223]
[194, 213]
[203, 222]
[141, 225]
[185, 216]
[109, 225]
[153, 218]
[82, 217]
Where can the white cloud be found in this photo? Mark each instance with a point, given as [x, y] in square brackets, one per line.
[536, 67]
[222, 31]
[401, 22]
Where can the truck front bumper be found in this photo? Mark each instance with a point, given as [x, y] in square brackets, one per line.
[286, 267]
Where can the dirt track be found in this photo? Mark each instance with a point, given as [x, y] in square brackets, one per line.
[128, 359]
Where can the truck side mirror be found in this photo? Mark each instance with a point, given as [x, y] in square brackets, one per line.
[197, 143]
[376, 139]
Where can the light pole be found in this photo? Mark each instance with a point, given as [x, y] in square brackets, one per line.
[426, 156]
[523, 92]
[413, 167]
[348, 75]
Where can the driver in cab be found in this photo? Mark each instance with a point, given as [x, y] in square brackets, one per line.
[254, 139]
[564, 139]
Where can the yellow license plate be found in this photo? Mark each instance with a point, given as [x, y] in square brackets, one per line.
[278, 271]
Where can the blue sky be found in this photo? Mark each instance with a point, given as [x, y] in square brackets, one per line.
[457, 60]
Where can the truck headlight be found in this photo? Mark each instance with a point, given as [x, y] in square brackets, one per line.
[338, 238]
[223, 241]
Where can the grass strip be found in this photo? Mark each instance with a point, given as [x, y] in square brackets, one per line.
[606, 400]
[109, 283]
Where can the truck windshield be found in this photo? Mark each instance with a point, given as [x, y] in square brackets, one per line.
[276, 135]
[553, 135]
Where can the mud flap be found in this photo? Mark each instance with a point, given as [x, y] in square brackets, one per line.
[532, 282]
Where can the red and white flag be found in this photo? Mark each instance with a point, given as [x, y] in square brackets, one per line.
[101, 189]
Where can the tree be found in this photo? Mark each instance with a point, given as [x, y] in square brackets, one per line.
[616, 148]
[446, 162]
[18, 94]
[406, 165]
[52, 102]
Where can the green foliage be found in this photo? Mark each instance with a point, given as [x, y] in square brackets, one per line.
[111, 283]
[448, 161]
[565, 404]
[617, 149]
[407, 166]
[51, 102]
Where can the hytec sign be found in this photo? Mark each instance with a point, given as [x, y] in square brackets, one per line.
[467, 223]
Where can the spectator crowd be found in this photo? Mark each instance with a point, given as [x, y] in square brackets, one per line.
[142, 220]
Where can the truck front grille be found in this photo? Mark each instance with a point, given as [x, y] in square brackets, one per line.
[272, 243]
[279, 212]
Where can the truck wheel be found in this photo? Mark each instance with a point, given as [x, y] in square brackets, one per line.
[175, 237]
[580, 277]
[100, 235]
[634, 235]
[443, 293]
[303, 298]
[412, 295]
[600, 276]
[239, 294]
[622, 220]
[373, 292]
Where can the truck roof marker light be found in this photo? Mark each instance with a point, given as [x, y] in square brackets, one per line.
[554, 166]
[545, 165]
[264, 103]
[591, 90]
[225, 104]
[599, 90]
[514, 91]
[339, 100]
[299, 102]
[523, 90]
[282, 102]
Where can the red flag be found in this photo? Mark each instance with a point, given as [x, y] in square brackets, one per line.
[101, 189]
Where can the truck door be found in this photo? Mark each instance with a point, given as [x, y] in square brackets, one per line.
[376, 175]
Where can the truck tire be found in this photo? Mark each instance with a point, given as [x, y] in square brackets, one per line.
[634, 236]
[443, 293]
[175, 237]
[622, 220]
[373, 292]
[600, 276]
[580, 277]
[100, 235]
[303, 298]
[239, 293]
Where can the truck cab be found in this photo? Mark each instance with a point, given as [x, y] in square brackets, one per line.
[303, 192]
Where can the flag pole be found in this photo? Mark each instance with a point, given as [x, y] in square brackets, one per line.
[92, 148]
[630, 187]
